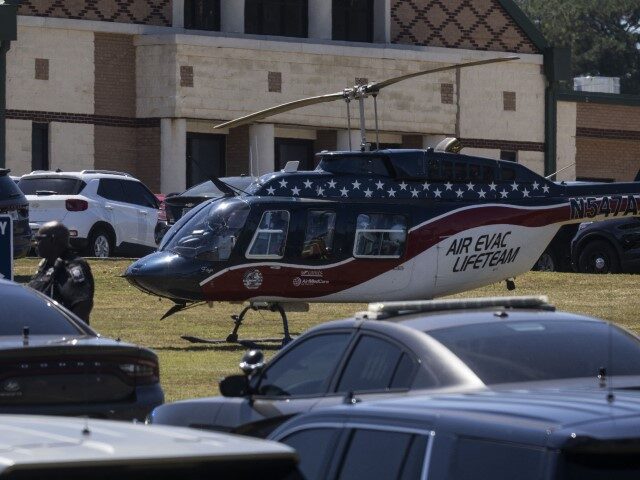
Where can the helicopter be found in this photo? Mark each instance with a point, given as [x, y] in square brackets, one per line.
[368, 224]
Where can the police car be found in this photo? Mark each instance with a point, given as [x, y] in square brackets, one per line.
[14, 204]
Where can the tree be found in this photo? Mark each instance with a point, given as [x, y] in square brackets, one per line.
[604, 35]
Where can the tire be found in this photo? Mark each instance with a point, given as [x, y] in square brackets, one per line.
[100, 244]
[546, 262]
[598, 257]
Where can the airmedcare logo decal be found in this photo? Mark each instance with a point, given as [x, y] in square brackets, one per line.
[252, 279]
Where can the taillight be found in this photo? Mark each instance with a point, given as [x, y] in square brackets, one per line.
[143, 371]
[76, 205]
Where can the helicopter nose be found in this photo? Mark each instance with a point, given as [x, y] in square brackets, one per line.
[166, 274]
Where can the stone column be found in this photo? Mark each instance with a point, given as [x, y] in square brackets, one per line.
[178, 14]
[232, 16]
[173, 154]
[320, 24]
[343, 140]
[262, 147]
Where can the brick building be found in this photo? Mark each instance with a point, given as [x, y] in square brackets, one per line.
[138, 85]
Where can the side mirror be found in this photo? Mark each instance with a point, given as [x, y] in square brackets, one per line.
[234, 386]
[252, 362]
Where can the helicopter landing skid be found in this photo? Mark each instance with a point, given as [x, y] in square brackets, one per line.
[238, 319]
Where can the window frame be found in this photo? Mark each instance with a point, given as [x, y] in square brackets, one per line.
[308, 213]
[258, 230]
[380, 230]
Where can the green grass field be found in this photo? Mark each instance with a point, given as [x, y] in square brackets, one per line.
[191, 370]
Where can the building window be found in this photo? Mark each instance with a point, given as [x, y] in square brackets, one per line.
[205, 157]
[202, 14]
[39, 146]
[352, 20]
[292, 149]
[509, 155]
[286, 18]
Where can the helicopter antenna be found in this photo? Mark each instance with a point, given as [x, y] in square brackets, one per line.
[357, 92]
[375, 114]
[548, 177]
[348, 101]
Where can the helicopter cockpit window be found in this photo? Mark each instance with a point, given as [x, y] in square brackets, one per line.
[271, 236]
[211, 233]
[380, 236]
[318, 239]
[354, 164]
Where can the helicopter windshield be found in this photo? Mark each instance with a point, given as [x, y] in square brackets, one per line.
[211, 233]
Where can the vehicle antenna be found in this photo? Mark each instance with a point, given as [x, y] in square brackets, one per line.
[375, 114]
[348, 101]
[548, 177]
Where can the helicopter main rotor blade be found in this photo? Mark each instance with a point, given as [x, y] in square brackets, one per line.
[377, 86]
[285, 107]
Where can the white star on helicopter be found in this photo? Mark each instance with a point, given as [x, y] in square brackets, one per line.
[332, 183]
[356, 185]
[308, 183]
[344, 192]
[283, 183]
[271, 190]
[295, 191]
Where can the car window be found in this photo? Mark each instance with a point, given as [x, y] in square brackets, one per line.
[306, 368]
[502, 352]
[271, 235]
[383, 455]
[475, 458]
[21, 307]
[111, 190]
[314, 447]
[136, 193]
[318, 238]
[52, 186]
[372, 366]
[380, 236]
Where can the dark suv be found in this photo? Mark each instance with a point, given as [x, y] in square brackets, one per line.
[607, 247]
[501, 435]
[403, 347]
[14, 203]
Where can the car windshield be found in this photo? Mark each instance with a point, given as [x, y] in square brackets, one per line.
[51, 186]
[210, 233]
[542, 350]
[22, 307]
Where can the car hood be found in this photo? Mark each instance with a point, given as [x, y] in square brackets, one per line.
[63, 342]
[194, 413]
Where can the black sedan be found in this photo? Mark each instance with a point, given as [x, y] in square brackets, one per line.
[52, 363]
[15, 204]
[402, 347]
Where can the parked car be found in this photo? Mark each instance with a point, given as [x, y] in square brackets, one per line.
[557, 255]
[607, 247]
[55, 364]
[523, 434]
[402, 347]
[106, 212]
[15, 204]
[55, 448]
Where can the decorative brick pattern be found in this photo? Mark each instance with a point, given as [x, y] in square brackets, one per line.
[86, 118]
[145, 12]
[115, 80]
[446, 93]
[502, 144]
[186, 76]
[274, 82]
[237, 154]
[42, 69]
[361, 80]
[509, 101]
[607, 158]
[470, 24]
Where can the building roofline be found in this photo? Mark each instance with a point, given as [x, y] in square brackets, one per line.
[599, 97]
[521, 19]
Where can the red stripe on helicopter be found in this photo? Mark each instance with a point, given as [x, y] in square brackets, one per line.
[303, 281]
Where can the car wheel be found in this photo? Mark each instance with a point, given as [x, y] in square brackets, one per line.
[100, 244]
[598, 257]
[546, 262]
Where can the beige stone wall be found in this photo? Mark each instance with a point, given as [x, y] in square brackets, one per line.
[71, 146]
[18, 157]
[70, 86]
[566, 140]
[532, 160]
[157, 79]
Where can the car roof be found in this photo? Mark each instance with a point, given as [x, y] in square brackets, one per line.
[527, 415]
[82, 175]
[29, 441]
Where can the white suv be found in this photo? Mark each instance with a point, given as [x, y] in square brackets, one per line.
[103, 210]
